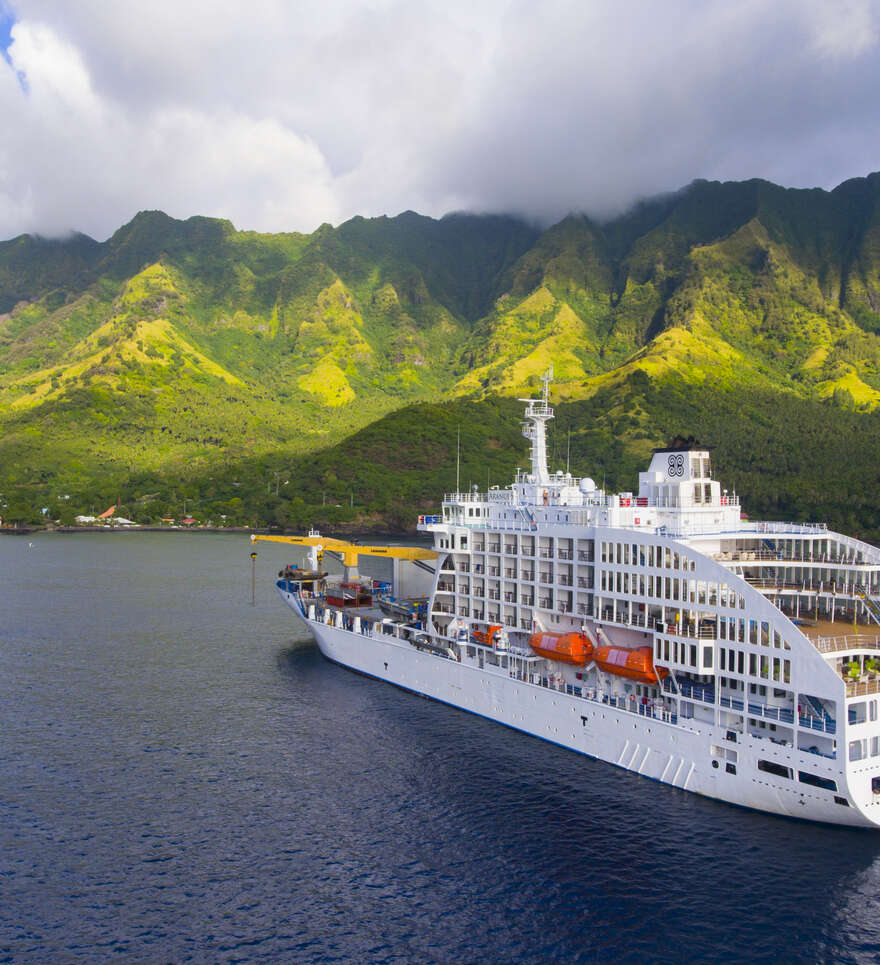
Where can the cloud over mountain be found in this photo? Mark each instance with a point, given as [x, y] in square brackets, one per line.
[281, 118]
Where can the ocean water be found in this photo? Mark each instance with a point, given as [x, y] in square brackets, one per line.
[183, 778]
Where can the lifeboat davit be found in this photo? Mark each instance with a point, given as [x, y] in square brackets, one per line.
[635, 664]
[573, 648]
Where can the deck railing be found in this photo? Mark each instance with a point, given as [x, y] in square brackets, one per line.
[850, 641]
[862, 688]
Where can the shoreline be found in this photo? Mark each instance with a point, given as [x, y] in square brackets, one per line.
[238, 530]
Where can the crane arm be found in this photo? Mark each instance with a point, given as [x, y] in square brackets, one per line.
[351, 551]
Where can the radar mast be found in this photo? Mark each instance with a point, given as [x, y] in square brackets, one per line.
[538, 413]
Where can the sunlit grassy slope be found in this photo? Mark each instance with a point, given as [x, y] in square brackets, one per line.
[182, 357]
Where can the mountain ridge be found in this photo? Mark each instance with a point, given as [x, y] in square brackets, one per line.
[181, 348]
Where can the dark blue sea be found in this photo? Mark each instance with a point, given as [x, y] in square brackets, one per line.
[183, 778]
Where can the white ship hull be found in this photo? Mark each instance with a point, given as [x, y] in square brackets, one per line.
[660, 632]
[665, 752]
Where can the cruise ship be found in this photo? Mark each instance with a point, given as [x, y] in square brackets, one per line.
[658, 630]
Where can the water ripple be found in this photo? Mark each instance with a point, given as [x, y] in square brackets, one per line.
[183, 778]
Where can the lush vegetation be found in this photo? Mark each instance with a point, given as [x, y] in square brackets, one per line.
[292, 379]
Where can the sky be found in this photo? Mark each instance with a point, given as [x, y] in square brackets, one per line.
[284, 114]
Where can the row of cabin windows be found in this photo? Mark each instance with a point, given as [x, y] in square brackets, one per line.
[805, 777]
[733, 661]
[684, 654]
[645, 554]
[681, 653]
[756, 690]
[760, 666]
[670, 588]
[755, 632]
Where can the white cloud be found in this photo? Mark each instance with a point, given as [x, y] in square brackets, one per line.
[282, 116]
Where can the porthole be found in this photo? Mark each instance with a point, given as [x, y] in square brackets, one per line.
[715, 764]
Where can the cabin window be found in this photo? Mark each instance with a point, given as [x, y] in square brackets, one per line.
[707, 658]
[771, 767]
[858, 750]
[707, 492]
[753, 665]
[857, 713]
[872, 707]
[693, 655]
[765, 634]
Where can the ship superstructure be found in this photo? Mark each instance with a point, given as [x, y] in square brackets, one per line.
[658, 630]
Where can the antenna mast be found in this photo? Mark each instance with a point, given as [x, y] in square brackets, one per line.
[538, 413]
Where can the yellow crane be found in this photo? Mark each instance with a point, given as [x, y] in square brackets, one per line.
[351, 551]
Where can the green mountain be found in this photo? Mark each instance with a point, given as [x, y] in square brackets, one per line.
[190, 360]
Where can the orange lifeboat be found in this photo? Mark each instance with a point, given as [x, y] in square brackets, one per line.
[487, 637]
[573, 648]
[635, 664]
